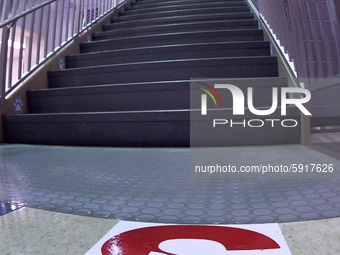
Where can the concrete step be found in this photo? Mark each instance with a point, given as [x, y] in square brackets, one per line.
[119, 97]
[185, 1]
[138, 8]
[169, 52]
[175, 28]
[206, 36]
[159, 128]
[178, 19]
[138, 16]
[141, 129]
[186, 69]
[140, 96]
[143, 4]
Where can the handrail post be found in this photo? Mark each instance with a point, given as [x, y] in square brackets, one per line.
[3, 54]
[78, 4]
[3, 62]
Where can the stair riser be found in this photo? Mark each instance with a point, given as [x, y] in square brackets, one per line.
[131, 98]
[144, 5]
[167, 71]
[182, 19]
[156, 55]
[162, 134]
[111, 34]
[132, 101]
[169, 39]
[186, 23]
[132, 134]
[169, 130]
[140, 134]
[184, 1]
[178, 13]
[137, 9]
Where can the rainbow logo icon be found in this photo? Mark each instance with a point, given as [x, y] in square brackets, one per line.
[212, 93]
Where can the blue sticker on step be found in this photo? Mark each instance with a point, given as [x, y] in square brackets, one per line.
[18, 105]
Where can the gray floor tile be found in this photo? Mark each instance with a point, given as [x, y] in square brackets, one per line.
[155, 185]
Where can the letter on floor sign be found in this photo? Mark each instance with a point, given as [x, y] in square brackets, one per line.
[181, 239]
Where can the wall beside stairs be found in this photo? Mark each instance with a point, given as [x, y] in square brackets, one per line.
[285, 70]
[39, 79]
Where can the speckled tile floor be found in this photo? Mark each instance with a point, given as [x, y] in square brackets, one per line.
[154, 185]
[30, 231]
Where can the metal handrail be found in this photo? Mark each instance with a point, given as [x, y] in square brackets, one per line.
[24, 13]
[30, 38]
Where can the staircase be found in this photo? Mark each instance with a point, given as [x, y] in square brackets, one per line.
[130, 84]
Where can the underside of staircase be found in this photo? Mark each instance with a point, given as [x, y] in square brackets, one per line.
[130, 86]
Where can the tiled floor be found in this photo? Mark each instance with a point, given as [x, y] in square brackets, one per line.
[31, 231]
[155, 185]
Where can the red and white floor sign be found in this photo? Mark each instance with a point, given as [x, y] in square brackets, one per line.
[137, 238]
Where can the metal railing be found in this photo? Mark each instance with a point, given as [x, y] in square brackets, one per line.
[308, 33]
[32, 31]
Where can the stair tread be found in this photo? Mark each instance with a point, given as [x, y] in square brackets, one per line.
[123, 115]
[185, 17]
[233, 45]
[22, 117]
[185, 10]
[135, 8]
[180, 2]
[165, 70]
[174, 25]
[168, 13]
[69, 91]
[189, 33]
[103, 67]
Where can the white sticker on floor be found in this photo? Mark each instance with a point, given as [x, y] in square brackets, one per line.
[138, 238]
